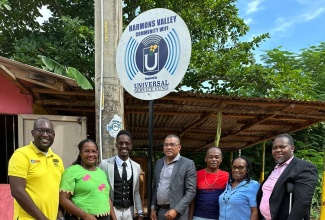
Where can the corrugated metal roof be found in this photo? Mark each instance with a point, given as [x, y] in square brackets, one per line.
[245, 121]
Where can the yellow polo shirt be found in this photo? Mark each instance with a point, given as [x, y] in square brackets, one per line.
[43, 175]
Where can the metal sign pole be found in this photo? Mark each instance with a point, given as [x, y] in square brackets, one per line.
[150, 153]
[152, 57]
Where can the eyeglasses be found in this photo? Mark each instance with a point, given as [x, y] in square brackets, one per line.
[170, 144]
[90, 151]
[42, 131]
[239, 168]
[120, 144]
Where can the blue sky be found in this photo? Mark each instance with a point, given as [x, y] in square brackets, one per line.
[292, 24]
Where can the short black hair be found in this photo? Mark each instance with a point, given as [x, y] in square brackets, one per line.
[288, 136]
[41, 119]
[121, 132]
[213, 148]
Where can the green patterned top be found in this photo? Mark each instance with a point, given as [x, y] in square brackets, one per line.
[89, 189]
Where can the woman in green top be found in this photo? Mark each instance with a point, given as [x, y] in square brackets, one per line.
[84, 190]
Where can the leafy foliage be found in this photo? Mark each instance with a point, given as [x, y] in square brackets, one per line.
[69, 72]
[65, 37]
[221, 63]
[312, 60]
[68, 36]
[54, 66]
[18, 23]
[4, 5]
[283, 74]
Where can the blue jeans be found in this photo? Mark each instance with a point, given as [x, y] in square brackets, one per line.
[199, 218]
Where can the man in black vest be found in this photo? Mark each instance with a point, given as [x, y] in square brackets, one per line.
[123, 174]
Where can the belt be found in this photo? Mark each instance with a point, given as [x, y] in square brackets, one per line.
[69, 216]
[165, 206]
[122, 207]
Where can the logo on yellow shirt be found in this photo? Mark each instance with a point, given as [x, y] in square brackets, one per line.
[56, 162]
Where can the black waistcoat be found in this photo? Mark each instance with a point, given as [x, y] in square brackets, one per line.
[123, 196]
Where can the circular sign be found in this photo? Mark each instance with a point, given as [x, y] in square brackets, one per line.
[114, 126]
[153, 54]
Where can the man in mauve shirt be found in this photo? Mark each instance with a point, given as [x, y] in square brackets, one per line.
[290, 175]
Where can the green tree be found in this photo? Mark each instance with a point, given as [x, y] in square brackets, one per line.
[283, 74]
[68, 36]
[4, 5]
[287, 75]
[288, 80]
[312, 60]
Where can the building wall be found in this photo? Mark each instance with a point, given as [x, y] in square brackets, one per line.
[12, 101]
[6, 202]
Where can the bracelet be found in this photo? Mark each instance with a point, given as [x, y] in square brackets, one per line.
[61, 218]
[141, 214]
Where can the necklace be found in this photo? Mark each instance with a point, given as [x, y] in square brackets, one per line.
[231, 193]
[205, 178]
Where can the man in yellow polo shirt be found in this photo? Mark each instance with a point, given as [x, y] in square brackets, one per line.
[35, 174]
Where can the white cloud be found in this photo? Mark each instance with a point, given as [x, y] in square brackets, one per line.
[248, 21]
[254, 6]
[46, 13]
[308, 11]
[282, 25]
[303, 1]
[308, 2]
[312, 14]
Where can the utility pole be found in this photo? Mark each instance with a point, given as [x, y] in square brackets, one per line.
[108, 89]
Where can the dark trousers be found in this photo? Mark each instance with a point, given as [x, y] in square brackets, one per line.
[73, 217]
[161, 212]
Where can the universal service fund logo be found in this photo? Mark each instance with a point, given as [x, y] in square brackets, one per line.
[152, 53]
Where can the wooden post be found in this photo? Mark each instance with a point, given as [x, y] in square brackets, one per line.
[322, 209]
[231, 157]
[262, 162]
[108, 89]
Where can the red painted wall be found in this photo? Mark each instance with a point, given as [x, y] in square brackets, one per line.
[12, 101]
[6, 202]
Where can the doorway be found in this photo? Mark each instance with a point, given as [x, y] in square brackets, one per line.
[9, 142]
